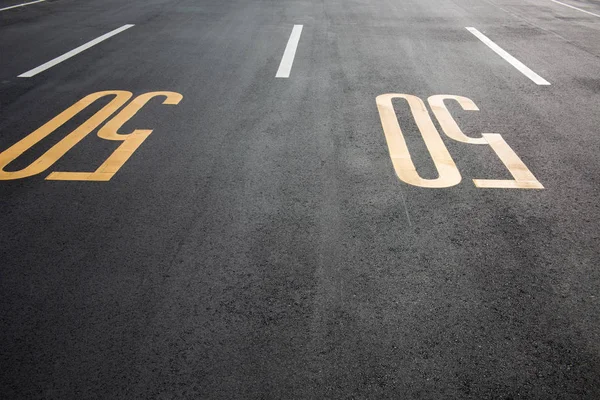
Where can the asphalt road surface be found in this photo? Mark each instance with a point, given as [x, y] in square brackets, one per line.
[261, 199]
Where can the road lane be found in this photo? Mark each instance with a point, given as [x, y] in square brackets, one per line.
[223, 68]
[34, 35]
[19, 5]
[541, 17]
[74, 52]
[259, 243]
[538, 80]
[571, 6]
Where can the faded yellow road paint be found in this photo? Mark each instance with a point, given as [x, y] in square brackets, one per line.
[68, 142]
[447, 122]
[448, 174]
[130, 144]
[524, 179]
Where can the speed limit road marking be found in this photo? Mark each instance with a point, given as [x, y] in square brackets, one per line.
[130, 141]
[448, 173]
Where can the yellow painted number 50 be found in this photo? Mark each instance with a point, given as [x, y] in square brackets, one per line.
[448, 173]
[130, 141]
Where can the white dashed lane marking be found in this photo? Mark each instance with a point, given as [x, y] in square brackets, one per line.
[290, 52]
[513, 61]
[73, 52]
[576, 8]
[21, 5]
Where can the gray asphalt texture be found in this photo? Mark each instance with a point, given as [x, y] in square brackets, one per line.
[259, 244]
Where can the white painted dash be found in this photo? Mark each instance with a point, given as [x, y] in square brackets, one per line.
[513, 61]
[73, 52]
[576, 8]
[285, 67]
[21, 5]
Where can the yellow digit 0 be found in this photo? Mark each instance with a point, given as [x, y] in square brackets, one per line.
[61, 148]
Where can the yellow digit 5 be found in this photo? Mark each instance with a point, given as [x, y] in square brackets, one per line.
[448, 174]
[58, 150]
[523, 178]
[130, 141]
